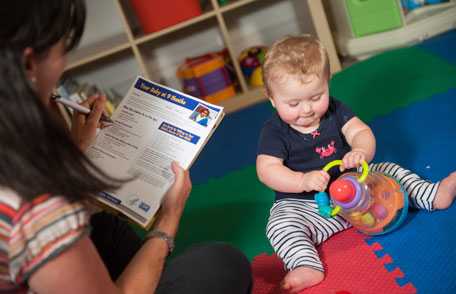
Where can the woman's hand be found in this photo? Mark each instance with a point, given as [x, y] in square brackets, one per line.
[174, 201]
[84, 127]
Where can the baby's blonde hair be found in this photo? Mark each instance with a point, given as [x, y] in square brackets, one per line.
[302, 55]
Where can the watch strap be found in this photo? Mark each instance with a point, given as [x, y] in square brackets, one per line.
[163, 236]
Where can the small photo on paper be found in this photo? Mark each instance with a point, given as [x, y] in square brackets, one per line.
[201, 115]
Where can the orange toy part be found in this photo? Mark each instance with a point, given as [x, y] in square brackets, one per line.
[388, 201]
[200, 66]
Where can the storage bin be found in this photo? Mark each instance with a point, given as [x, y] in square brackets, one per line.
[373, 16]
[155, 15]
[207, 77]
[365, 27]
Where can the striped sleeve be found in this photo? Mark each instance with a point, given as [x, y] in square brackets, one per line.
[40, 231]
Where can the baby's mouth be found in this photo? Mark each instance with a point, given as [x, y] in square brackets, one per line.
[306, 117]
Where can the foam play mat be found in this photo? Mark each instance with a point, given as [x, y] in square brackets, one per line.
[351, 266]
[408, 97]
[418, 256]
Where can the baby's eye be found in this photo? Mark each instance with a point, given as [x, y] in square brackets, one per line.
[293, 104]
[316, 98]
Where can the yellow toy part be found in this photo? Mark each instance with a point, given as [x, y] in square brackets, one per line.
[256, 79]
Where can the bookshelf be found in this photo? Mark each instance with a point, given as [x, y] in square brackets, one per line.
[134, 51]
[413, 26]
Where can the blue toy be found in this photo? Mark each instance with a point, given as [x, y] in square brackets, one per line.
[410, 5]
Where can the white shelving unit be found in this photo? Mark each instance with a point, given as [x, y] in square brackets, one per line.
[119, 50]
[417, 25]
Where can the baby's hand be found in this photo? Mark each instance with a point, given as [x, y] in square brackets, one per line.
[353, 159]
[316, 180]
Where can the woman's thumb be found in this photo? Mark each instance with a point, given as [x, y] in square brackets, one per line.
[178, 171]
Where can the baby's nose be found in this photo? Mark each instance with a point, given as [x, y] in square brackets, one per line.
[306, 108]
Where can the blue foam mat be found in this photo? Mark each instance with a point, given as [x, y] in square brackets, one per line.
[422, 137]
[233, 145]
[443, 45]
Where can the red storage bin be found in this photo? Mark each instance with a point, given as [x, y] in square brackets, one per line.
[155, 15]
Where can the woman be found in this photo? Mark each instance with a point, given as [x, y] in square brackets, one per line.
[45, 177]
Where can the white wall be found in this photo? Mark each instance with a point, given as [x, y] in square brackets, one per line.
[103, 22]
[254, 24]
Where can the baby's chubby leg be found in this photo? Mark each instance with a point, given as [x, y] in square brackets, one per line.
[294, 229]
[423, 194]
[446, 192]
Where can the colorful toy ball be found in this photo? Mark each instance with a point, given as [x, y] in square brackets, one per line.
[251, 60]
[372, 202]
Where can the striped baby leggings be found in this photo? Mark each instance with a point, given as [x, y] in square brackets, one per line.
[295, 227]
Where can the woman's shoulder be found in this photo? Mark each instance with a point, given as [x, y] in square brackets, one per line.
[16, 210]
[45, 215]
[35, 231]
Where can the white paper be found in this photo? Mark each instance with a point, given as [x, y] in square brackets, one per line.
[153, 125]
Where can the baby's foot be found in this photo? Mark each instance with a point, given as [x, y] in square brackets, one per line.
[446, 192]
[301, 278]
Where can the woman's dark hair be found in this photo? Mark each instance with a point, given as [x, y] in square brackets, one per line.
[37, 155]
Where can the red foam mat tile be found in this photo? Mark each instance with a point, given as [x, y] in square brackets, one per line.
[351, 267]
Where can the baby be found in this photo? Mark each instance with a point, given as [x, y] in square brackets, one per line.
[308, 130]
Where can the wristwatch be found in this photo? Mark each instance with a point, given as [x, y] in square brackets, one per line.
[163, 236]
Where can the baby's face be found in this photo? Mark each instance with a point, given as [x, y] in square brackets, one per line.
[301, 103]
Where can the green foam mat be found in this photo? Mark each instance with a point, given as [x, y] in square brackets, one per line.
[391, 80]
[232, 209]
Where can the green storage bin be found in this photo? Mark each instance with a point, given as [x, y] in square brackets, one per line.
[373, 16]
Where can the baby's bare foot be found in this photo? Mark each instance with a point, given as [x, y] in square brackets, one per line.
[446, 192]
[301, 278]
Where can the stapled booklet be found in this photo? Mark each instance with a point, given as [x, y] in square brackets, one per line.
[153, 125]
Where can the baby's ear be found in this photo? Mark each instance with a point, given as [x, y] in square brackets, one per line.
[272, 102]
[268, 94]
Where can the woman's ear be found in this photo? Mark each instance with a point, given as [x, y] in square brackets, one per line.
[30, 63]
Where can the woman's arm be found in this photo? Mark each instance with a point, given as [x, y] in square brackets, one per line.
[143, 273]
[79, 269]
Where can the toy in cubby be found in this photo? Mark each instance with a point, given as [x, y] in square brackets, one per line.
[155, 15]
[372, 202]
[251, 60]
[409, 5]
[207, 76]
